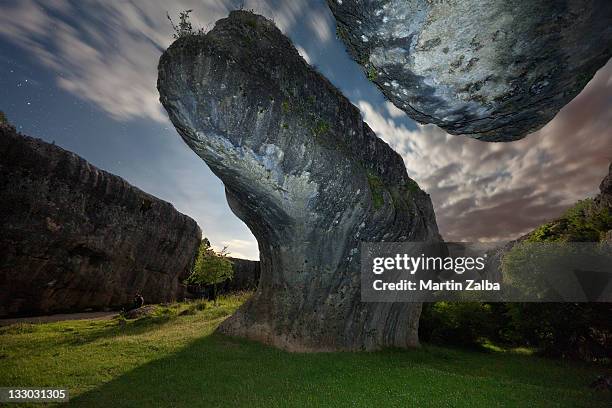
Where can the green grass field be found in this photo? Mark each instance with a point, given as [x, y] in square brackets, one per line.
[169, 360]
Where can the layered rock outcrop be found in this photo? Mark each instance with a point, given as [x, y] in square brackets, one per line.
[73, 237]
[306, 174]
[493, 70]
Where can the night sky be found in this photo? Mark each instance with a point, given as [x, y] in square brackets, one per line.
[83, 73]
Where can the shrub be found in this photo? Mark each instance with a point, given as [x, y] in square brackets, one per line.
[462, 324]
[569, 330]
[211, 267]
[584, 222]
[184, 28]
[573, 330]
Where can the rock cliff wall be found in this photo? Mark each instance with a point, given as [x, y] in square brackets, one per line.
[74, 237]
[246, 275]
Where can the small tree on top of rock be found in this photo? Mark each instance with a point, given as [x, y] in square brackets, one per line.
[211, 267]
[3, 119]
[184, 28]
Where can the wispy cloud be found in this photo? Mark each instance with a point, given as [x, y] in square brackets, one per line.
[106, 52]
[238, 248]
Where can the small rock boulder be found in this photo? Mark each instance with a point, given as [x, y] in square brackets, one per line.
[143, 311]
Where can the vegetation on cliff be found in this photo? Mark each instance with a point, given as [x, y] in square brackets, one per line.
[586, 221]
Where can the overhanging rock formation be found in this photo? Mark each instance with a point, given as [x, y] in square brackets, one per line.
[74, 237]
[308, 177]
[493, 70]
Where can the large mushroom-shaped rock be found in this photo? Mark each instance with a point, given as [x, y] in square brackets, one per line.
[493, 70]
[307, 176]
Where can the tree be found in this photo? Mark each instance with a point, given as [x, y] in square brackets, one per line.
[211, 267]
[3, 119]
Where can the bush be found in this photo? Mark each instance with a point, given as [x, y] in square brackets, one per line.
[568, 330]
[210, 268]
[584, 222]
[563, 330]
[462, 324]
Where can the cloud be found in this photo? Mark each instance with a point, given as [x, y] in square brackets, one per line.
[108, 67]
[239, 248]
[499, 191]
[107, 52]
[304, 54]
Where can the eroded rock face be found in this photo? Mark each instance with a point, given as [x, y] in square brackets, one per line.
[246, 275]
[73, 237]
[308, 177]
[494, 70]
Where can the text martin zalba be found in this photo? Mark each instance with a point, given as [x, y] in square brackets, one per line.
[413, 264]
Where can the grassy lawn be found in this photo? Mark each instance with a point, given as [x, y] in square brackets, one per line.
[169, 360]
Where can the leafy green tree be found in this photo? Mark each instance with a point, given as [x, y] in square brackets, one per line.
[3, 119]
[211, 267]
[570, 330]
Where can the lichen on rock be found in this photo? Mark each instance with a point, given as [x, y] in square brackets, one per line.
[493, 70]
[297, 162]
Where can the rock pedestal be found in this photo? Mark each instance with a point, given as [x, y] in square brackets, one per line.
[307, 176]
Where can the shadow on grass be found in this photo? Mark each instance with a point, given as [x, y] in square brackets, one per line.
[74, 332]
[118, 327]
[221, 371]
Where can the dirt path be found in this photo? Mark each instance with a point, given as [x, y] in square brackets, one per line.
[59, 317]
